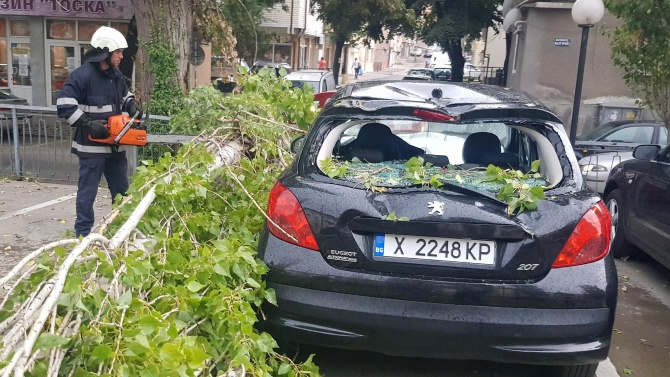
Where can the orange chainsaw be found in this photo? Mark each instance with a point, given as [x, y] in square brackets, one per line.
[124, 130]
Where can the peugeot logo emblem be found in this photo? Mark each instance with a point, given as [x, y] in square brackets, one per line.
[436, 208]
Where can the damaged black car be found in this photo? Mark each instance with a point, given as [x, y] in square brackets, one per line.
[441, 220]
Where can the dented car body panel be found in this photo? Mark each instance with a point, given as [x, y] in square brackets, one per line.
[484, 278]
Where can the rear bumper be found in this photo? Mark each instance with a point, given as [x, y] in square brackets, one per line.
[565, 318]
[418, 329]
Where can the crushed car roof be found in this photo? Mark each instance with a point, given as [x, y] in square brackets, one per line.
[453, 98]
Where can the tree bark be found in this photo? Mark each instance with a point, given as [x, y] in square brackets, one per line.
[455, 52]
[337, 56]
[169, 22]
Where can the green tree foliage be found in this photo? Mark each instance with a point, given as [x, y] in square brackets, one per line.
[244, 17]
[187, 303]
[364, 18]
[641, 48]
[448, 22]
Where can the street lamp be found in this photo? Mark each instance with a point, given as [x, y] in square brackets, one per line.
[585, 13]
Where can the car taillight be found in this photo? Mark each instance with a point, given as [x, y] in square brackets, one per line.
[288, 221]
[433, 115]
[590, 241]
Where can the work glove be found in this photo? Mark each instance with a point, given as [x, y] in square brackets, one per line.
[133, 108]
[96, 128]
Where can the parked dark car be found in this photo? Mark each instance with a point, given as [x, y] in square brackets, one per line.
[638, 197]
[621, 135]
[362, 257]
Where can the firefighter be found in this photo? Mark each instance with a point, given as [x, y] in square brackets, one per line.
[94, 92]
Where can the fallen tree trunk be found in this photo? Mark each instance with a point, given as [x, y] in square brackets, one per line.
[175, 289]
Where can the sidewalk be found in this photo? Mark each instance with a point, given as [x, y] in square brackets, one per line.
[35, 213]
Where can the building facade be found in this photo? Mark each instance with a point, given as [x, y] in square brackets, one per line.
[299, 33]
[544, 58]
[43, 41]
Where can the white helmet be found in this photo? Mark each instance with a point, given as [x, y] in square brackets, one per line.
[111, 39]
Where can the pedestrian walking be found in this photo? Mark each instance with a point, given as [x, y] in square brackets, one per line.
[322, 63]
[357, 68]
[92, 93]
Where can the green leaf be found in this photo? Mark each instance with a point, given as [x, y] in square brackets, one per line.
[194, 286]
[102, 352]
[48, 341]
[535, 166]
[284, 368]
[124, 301]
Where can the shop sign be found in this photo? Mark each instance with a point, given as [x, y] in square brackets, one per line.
[116, 9]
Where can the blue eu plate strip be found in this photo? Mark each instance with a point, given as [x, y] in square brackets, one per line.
[379, 245]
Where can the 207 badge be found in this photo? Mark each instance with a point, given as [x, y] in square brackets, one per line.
[436, 208]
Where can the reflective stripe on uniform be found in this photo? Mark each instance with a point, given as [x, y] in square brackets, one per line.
[75, 116]
[91, 148]
[66, 101]
[96, 109]
[127, 97]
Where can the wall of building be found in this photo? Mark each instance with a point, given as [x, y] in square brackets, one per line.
[544, 59]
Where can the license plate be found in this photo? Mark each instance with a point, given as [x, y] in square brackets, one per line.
[435, 249]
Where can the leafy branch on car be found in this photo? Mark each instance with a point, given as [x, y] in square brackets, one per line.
[519, 196]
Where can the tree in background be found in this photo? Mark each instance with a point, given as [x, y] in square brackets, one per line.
[641, 48]
[245, 17]
[365, 19]
[448, 22]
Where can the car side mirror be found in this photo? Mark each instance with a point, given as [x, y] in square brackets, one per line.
[297, 144]
[646, 152]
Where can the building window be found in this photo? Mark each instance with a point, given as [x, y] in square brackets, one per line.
[61, 30]
[21, 63]
[19, 28]
[87, 28]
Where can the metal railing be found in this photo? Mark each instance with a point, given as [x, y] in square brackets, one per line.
[35, 144]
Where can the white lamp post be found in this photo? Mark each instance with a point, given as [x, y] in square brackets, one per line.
[585, 13]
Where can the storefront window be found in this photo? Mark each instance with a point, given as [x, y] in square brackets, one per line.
[87, 28]
[19, 28]
[3, 27]
[21, 63]
[282, 53]
[121, 26]
[62, 64]
[61, 30]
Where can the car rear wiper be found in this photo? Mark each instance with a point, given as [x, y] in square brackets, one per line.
[469, 191]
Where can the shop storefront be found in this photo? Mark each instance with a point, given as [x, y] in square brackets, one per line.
[43, 41]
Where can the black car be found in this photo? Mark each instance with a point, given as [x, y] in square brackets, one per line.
[638, 197]
[621, 135]
[365, 253]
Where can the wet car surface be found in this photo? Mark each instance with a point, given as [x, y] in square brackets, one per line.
[638, 196]
[366, 254]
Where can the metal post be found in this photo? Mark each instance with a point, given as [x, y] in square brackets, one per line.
[578, 86]
[15, 128]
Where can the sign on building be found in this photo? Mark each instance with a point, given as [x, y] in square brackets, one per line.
[561, 41]
[116, 9]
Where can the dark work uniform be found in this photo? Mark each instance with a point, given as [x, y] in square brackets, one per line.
[97, 94]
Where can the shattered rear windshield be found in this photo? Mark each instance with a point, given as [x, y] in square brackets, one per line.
[396, 153]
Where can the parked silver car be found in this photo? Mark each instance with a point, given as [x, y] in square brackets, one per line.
[596, 168]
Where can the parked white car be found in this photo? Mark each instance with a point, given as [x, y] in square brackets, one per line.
[472, 73]
[596, 168]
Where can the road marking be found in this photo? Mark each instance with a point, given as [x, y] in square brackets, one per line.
[606, 369]
[38, 206]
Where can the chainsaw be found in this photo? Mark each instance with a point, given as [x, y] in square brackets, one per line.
[124, 130]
